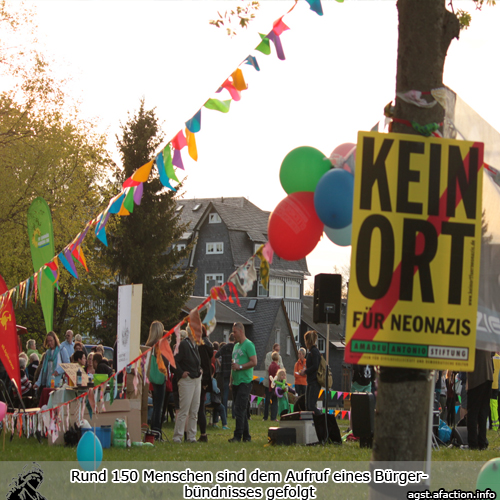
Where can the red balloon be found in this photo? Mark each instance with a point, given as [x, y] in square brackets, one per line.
[294, 229]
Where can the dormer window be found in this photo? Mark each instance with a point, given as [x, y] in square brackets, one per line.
[214, 218]
[213, 248]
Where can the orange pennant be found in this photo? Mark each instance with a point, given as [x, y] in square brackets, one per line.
[142, 173]
[166, 350]
[191, 142]
[195, 324]
[239, 80]
[123, 211]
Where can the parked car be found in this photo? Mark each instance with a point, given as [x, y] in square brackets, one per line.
[108, 352]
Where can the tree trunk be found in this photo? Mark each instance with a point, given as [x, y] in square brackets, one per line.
[426, 30]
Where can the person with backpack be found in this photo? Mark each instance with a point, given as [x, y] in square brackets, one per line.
[311, 371]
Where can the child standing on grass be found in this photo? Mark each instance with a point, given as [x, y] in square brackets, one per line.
[281, 390]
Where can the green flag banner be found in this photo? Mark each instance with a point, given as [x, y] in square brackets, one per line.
[41, 238]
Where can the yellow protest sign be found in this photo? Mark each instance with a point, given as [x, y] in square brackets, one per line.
[416, 243]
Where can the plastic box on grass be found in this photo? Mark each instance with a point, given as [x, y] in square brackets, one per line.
[103, 433]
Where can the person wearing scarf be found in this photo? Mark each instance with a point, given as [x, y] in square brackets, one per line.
[51, 361]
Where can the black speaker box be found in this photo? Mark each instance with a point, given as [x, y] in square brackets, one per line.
[459, 436]
[327, 292]
[282, 435]
[325, 422]
[363, 414]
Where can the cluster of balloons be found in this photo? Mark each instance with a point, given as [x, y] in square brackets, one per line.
[319, 199]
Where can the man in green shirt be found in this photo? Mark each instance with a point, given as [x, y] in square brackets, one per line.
[244, 359]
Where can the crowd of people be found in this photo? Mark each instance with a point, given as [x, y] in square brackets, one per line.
[38, 370]
[207, 372]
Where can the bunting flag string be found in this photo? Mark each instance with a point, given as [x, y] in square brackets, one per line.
[132, 189]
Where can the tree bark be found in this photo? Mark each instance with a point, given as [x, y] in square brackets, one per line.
[426, 30]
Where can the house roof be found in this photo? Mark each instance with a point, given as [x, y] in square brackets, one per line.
[336, 331]
[224, 314]
[262, 317]
[245, 222]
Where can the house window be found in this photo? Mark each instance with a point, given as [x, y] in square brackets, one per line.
[295, 331]
[213, 248]
[181, 246]
[256, 246]
[212, 280]
[321, 344]
[278, 331]
[288, 346]
[214, 219]
[292, 290]
[261, 291]
[226, 335]
[276, 288]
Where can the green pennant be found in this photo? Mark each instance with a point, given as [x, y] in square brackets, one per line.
[169, 166]
[218, 105]
[129, 200]
[265, 45]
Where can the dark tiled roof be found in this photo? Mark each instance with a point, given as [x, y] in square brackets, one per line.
[224, 314]
[263, 318]
[336, 331]
[247, 224]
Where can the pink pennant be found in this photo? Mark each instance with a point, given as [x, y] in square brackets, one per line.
[179, 141]
[339, 394]
[130, 183]
[268, 252]
[177, 331]
[279, 26]
[235, 94]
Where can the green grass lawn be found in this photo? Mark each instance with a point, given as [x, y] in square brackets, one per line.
[218, 449]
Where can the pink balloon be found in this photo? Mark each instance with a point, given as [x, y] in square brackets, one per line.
[294, 229]
[346, 151]
[3, 410]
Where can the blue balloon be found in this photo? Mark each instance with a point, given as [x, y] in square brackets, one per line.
[341, 237]
[89, 451]
[333, 198]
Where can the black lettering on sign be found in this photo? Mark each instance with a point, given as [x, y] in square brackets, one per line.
[458, 231]
[363, 251]
[375, 171]
[434, 179]
[458, 175]
[410, 260]
[406, 175]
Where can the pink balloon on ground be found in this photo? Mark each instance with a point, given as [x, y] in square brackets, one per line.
[3, 410]
[294, 229]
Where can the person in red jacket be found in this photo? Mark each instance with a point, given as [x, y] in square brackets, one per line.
[300, 380]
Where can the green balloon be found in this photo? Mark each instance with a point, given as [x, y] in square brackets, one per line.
[489, 476]
[302, 168]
